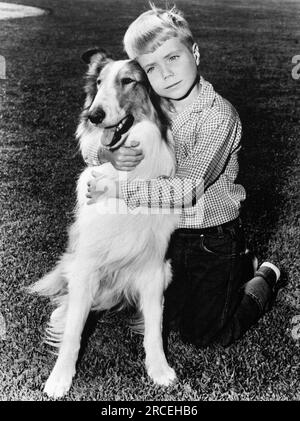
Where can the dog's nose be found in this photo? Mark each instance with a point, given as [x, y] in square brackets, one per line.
[97, 117]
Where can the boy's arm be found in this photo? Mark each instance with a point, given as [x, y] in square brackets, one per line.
[217, 139]
[123, 159]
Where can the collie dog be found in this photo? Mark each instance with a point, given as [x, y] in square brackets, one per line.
[113, 256]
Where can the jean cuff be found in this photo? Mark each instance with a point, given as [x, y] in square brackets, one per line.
[259, 290]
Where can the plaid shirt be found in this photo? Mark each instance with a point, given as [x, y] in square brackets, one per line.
[207, 138]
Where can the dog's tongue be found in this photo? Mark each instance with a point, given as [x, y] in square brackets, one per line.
[107, 137]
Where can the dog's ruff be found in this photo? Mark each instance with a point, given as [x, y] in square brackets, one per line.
[112, 257]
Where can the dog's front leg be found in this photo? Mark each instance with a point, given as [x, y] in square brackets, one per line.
[79, 305]
[152, 307]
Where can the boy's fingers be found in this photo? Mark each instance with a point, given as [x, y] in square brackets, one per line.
[127, 166]
[134, 143]
[126, 169]
[125, 150]
[131, 159]
[97, 174]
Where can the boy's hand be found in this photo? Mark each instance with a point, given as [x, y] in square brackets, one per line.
[100, 185]
[126, 158]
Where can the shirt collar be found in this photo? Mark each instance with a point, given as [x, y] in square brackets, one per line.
[204, 100]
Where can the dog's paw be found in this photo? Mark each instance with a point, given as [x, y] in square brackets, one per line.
[58, 383]
[162, 375]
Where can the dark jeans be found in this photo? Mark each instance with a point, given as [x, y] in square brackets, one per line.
[208, 299]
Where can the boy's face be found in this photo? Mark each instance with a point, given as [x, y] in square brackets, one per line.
[171, 69]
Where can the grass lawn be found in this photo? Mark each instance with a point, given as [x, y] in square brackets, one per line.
[246, 49]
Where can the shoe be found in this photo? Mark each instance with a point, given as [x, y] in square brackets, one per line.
[270, 273]
[274, 278]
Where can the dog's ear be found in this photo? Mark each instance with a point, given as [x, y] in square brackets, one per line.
[139, 73]
[99, 53]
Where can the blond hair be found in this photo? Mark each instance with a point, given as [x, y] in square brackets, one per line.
[152, 28]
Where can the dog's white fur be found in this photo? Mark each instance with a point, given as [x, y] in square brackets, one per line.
[111, 257]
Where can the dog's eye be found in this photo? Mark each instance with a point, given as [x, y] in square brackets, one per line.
[127, 81]
[98, 82]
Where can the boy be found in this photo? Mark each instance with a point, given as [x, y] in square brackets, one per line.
[212, 296]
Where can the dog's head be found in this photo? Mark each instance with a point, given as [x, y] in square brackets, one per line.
[115, 89]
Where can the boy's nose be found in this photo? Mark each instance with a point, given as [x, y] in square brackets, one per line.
[166, 72]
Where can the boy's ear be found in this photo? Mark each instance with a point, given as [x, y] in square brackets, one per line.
[196, 53]
[99, 53]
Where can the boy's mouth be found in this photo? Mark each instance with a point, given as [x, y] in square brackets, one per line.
[174, 84]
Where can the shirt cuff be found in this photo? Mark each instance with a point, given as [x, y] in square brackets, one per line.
[91, 157]
[129, 193]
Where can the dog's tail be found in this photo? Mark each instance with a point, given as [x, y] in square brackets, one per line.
[53, 283]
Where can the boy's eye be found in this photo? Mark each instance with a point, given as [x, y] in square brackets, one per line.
[149, 69]
[172, 58]
[127, 81]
